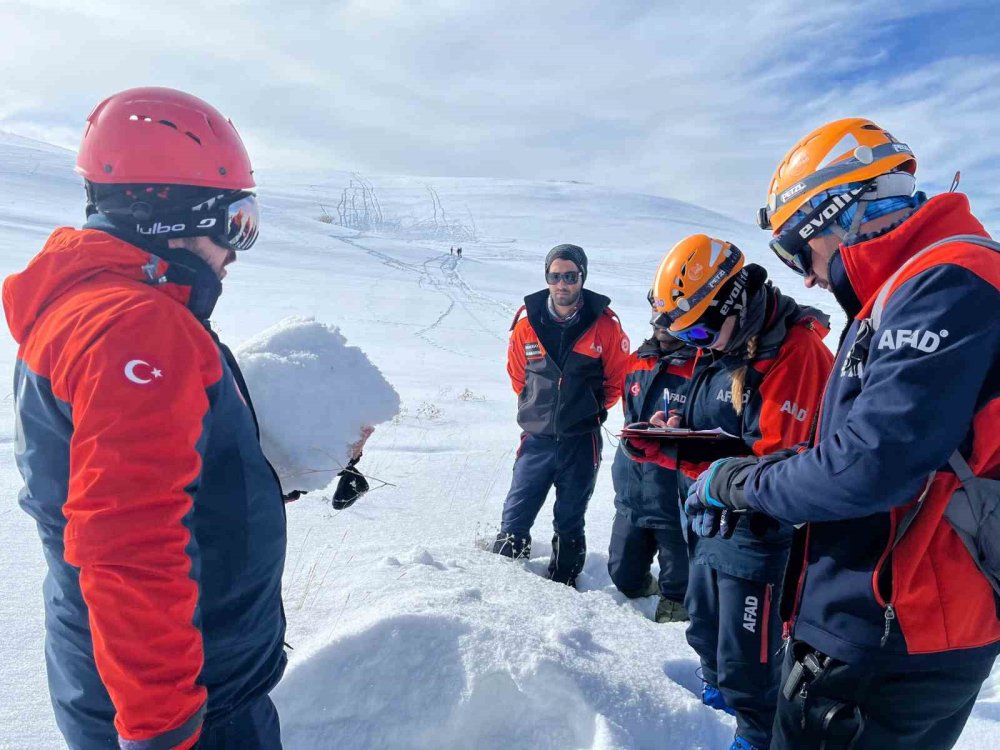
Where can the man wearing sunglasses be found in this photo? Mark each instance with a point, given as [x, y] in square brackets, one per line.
[566, 360]
[891, 589]
[161, 520]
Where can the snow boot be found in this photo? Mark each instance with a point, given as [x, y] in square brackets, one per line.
[667, 610]
[650, 587]
[712, 698]
[741, 744]
[568, 556]
[512, 546]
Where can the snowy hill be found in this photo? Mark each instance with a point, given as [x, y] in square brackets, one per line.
[405, 633]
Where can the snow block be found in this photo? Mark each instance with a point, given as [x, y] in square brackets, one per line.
[313, 394]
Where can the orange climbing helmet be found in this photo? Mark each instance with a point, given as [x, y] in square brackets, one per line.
[688, 283]
[838, 153]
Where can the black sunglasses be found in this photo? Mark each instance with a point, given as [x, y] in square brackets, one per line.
[570, 277]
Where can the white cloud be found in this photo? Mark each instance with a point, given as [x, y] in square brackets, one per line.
[698, 104]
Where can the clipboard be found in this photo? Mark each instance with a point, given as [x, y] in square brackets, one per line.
[674, 434]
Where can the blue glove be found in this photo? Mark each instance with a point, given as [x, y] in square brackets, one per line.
[707, 515]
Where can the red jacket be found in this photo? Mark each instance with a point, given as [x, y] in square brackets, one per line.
[161, 520]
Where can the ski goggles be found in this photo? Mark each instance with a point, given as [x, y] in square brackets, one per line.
[792, 244]
[698, 335]
[241, 223]
[570, 277]
[231, 220]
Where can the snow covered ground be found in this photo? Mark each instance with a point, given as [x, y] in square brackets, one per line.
[405, 633]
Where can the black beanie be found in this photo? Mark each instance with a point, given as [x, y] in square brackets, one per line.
[568, 252]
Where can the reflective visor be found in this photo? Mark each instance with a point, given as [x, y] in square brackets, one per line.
[698, 335]
[242, 223]
[797, 259]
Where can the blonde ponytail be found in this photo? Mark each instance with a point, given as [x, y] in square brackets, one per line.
[740, 375]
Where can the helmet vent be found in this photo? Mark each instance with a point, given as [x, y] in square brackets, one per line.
[846, 144]
[193, 137]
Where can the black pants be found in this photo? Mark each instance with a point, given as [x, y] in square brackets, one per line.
[736, 631]
[631, 552]
[874, 710]
[255, 727]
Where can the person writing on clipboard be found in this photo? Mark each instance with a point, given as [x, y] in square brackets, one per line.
[763, 383]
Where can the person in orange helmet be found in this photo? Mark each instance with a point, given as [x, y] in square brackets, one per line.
[891, 597]
[759, 377]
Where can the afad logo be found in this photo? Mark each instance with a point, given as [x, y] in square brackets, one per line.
[635, 390]
[141, 372]
[696, 271]
[792, 408]
[924, 341]
[750, 614]
[726, 396]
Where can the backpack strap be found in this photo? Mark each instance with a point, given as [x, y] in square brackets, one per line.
[972, 239]
[958, 464]
[517, 316]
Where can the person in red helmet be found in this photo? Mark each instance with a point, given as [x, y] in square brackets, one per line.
[161, 521]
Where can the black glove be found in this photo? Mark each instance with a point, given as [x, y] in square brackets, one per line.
[351, 486]
[717, 501]
[294, 495]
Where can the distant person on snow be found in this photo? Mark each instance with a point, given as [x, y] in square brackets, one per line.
[894, 625]
[647, 520]
[760, 377]
[566, 362]
[162, 523]
[459, 252]
[451, 250]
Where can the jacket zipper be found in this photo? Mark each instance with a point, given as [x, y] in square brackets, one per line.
[887, 605]
[790, 625]
[890, 615]
[555, 418]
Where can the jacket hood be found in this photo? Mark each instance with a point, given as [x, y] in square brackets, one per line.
[783, 312]
[74, 256]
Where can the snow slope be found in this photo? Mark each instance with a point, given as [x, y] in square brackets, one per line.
[405, 633]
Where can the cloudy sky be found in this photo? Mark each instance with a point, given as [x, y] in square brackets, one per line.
[695, 100]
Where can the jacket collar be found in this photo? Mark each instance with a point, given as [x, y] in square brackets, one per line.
[73, 256]
[865, 266]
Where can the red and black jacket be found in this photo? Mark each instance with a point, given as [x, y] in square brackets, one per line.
[571, 397]
[901, 399]
[162, 522]
[646, 492]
